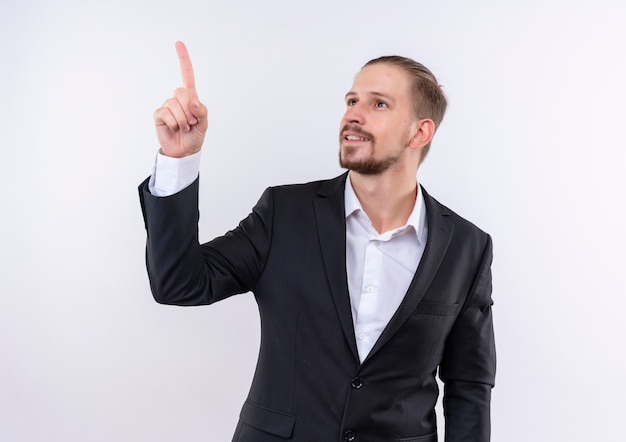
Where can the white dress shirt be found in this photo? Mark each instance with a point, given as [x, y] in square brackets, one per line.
[171, 175]
[380, 267]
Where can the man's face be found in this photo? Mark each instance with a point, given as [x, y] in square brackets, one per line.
[379, 120]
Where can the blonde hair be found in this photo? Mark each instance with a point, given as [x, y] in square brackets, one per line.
[428, 97]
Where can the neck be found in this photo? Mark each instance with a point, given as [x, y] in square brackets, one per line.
[387, 199]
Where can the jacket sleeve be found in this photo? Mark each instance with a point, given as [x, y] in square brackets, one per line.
[184, 272]
[469, 363]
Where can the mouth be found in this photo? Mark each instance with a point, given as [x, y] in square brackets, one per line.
[358, 138]
[355, 135]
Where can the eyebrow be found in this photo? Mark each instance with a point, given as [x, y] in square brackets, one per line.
[374, 93]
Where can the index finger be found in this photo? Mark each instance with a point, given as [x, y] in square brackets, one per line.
[186, 68]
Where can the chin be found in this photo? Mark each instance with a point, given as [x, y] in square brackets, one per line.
[368, 166]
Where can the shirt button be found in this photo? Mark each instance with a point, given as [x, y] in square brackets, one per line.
[361, 336]
[349, 435]
[369, 289]
[357, 383]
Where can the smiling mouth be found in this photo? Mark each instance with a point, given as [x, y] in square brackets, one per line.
[355, 134]
[355, 138]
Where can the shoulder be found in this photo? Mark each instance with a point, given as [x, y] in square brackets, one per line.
[326, 187]
[438, 212]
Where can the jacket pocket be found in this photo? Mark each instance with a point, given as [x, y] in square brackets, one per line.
[435, 308]
[268, 420]
[428, 438]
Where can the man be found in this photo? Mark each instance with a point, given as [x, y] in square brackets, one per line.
[366, 285]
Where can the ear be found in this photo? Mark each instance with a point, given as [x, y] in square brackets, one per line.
[425, 130]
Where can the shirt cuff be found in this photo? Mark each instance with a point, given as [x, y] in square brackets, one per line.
[171, 175]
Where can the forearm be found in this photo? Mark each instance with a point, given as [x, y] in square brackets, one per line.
[469, 364]
[183, 272]
[173, 255]
[467, 411]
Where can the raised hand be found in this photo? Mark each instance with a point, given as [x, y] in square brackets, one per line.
[181, 122]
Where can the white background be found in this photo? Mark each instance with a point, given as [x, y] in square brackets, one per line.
[531, 150]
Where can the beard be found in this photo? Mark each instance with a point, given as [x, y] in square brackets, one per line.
[366, 166]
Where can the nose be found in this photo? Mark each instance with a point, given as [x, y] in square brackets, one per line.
[354, 114]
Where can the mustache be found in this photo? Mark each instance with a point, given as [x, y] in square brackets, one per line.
[356, 129]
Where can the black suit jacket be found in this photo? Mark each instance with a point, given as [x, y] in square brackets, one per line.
[309, 384]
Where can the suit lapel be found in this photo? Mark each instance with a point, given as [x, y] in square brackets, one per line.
[439, 234]
[331, 228]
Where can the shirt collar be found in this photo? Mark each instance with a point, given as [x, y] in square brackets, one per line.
[417, 218]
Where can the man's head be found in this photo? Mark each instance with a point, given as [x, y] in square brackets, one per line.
[393, 109]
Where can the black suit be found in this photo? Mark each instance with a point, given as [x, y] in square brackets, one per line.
[309, 384]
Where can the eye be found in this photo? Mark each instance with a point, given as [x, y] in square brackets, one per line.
[351, 102]
[381, 104]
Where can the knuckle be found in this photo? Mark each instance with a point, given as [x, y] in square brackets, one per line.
[162, 113]
[159, 114]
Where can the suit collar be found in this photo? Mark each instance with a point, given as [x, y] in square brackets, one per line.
[417, 218]
[330, 218]
[440, 230]
[332, 187]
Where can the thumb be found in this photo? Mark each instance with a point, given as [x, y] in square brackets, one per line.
[200, 111]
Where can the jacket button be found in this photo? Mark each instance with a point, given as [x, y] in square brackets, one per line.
[357, 382]
[349, 435]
